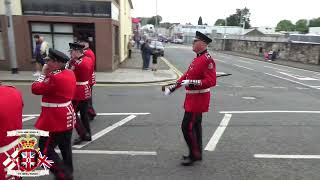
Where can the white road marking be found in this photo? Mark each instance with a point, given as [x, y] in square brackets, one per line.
[257, 86]
[219, 60]
[211, 146]
[301, 88]
[314, 87]
[279, 87]
[238, 86]
[245, 62]
[276, 68]
[131, 153]
[301, 78]
[99, 114]
[243, 67]
[257, 112]
[28, 118]
[248, 98]
[106, 130]
[118, 114]
[280, 156]
[274, 64]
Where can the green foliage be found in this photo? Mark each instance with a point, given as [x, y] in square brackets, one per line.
[241, 16]
[315, 22]
[302, 26]
[285, 25]
[220, 22]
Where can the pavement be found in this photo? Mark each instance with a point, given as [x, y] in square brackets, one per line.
[130, 71]
[310, 67]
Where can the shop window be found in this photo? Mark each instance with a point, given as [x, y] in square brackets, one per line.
[61, 42]
[58, 36]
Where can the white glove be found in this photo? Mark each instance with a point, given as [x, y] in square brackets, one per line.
[191, 83]
[185, 82]
[167, 92]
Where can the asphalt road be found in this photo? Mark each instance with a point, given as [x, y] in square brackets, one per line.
[259, 112]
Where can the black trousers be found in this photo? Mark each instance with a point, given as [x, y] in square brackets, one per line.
[129, 53]
[62, 169]
[91, 110]
[192, 132]
[82, 124]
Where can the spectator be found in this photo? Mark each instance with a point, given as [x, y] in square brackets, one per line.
[129, 46]
[39, 62]
[146, 53]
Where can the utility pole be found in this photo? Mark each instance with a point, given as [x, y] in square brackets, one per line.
[224, 35]
[11, 41]
[156, 19]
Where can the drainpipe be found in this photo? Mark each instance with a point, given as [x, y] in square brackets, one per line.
[11, 42]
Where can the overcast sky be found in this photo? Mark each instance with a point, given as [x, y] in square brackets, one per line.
[263, 13]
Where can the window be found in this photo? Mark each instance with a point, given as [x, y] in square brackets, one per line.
[56, 35]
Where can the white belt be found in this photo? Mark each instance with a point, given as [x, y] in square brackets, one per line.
[198, 91]
[82, 83]
[9, 146]
[44, 104]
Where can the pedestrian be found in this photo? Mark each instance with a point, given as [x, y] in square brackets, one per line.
[199, 78]
[11, 104]
[44, 49]
[39, 62]
[89, 53]
[129, 46]
[82, 68]
[57, 86]
[155, 55]
[146, 54]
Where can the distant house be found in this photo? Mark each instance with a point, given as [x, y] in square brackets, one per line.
[253, 32]
[314, 30]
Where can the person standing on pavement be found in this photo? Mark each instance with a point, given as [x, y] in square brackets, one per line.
[199, 78]
[146, 54]
[89, 53]
[82, 68]
[11, 104]
[39, 62]
[129, 46]
[57, 86]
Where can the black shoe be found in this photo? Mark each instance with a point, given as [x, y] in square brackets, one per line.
[184, 157]
[91, 117]
[188, 162]
[79, 140]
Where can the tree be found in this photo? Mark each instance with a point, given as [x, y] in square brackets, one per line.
[241, 16]
[200, 21]
[285, 25]
[315, 22]
[302, 25]
[220, 22]
[155, 20]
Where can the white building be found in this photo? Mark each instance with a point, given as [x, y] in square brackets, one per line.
[314, 30]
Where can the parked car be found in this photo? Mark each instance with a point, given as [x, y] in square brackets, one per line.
[158, 47]
[178, 41]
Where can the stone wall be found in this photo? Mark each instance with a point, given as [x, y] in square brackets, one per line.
[300, 52]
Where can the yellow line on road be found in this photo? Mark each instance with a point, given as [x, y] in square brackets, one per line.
[179, 73]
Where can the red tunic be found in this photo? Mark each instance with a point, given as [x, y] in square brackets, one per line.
[11, 105]
[82, 69]
[56, 88]
[89, 53]
[202, 68]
